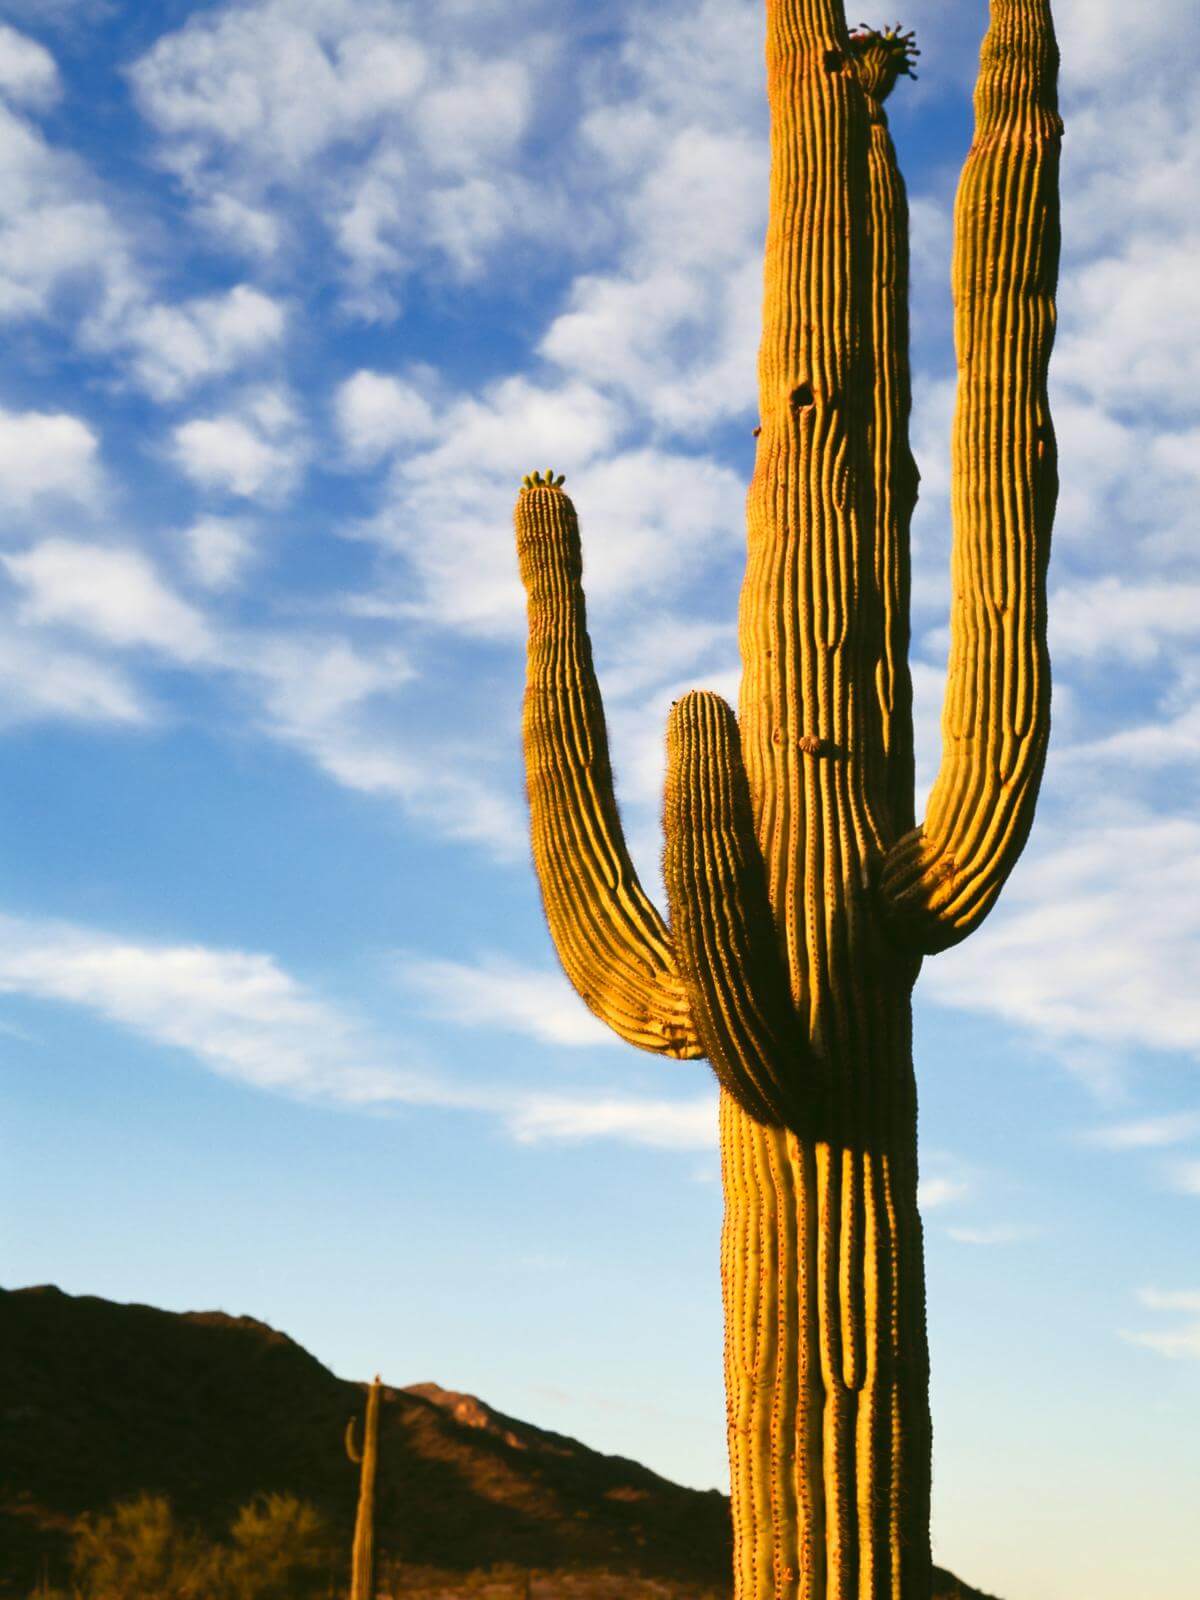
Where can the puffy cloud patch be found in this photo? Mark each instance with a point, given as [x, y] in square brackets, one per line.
[218, 550]
[178, 346]
[388, 129]
[28, 72]
[46, 456]
[377, 414]
[254, 452]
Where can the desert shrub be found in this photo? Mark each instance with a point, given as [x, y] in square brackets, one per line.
[279, 1550]
[139, 1551]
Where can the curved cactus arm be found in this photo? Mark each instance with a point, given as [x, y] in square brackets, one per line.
[352, 1449]
[613, 944]
[721, 916]
[941, 880]
[880, 57]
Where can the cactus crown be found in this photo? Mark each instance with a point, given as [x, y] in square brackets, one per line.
[881, 56]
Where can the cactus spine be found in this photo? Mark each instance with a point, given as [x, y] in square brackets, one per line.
[802, 897]
[362, 1559]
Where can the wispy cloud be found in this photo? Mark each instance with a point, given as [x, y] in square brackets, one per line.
[1098, 941]
[1146, 1133]
[242, 1015]
[995, 1233]
[1185, 1177]
[935, 1192]
[661, 1124]
[499, 993]
[238, 1012]
[111, 594]
[1178, 1343]
[43, 680]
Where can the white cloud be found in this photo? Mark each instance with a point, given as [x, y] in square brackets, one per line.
[255, 452]
[57, 233]
[1185, 1177]
[377, 413]
[113, 594]
[218, 550]
[940, 1191]
[1177, 1344]
[651, 518]
[47, 455]
[178, 346]
[236, 1011]
[661, 1124]
[1182, 1344]
[1097, 940]
[396, 136]
[1170, 1299]
[1147, 1133]
[240, 1014]
[1133, 621]
[1125, 338]
[39, 680]
[498, 993]
[320, 696]
[28, 73]
[998, 1233]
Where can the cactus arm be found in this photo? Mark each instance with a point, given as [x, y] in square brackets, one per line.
[352, 1449]
[725, 935]
[613, 944]
[941, 880]
[880, 58]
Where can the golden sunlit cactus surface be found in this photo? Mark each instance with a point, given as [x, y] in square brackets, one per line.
[362, 1558]
[802, 896]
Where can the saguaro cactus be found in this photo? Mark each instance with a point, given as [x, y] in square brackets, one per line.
[362, 1559]
[802, 897]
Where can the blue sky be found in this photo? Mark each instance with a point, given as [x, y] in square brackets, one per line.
[293, 292]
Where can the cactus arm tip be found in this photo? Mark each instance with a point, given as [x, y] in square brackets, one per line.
[721, 914]
[881, 56]
[612, 942]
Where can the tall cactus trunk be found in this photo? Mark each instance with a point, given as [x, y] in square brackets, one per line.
[802, 898]
[826, 1359]
[826, 1367]
[362, 1557]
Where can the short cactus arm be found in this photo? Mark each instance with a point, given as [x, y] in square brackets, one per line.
[613, 944]
[940, 881]
[727, 945]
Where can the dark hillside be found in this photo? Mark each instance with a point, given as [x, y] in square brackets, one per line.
[99, 1402]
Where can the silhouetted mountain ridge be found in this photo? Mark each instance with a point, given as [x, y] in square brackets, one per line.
[103, 1401]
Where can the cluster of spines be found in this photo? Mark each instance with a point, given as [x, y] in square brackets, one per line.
[882, 55]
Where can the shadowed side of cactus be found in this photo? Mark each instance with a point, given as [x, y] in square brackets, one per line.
[802, 894]
[362, 1559]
